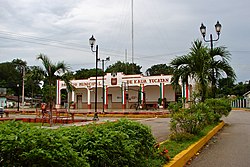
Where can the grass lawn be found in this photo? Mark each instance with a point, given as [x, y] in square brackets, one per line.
[175, 147]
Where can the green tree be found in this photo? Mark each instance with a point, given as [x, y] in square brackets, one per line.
[225, 87]
[159, 69]
[239, 89]
[20, 65]
[126, 68]
[86, 73]
[10, 76]
[34, 76]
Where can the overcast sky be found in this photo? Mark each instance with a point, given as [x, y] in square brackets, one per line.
[163, 29]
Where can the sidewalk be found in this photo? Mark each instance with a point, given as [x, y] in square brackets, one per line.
[230, 147]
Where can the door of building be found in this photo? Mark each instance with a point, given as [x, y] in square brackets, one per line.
[79, 101]
[109, 101]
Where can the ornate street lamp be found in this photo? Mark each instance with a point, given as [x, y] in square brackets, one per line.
[92, 43]
[211, 40]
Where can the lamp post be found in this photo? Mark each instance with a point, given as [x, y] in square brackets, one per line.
[211, 40]
[23, 71]
[92, 43]
[103, 88]
[17, 97]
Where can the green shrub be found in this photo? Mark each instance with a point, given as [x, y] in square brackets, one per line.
[220, 107]
[26, 145]
[187, 121]
[121, 143]
[175, 107]
[198, 116]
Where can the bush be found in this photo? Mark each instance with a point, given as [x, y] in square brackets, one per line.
[194, 119]
[175, 107]
[121, 143]
[187, 121]
[219, 107]
[25, 145]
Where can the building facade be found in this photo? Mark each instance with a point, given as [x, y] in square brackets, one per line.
[121, 91]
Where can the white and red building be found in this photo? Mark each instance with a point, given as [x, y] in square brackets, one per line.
[121, 91]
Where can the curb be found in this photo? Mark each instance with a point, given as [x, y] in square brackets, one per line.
[183, 157]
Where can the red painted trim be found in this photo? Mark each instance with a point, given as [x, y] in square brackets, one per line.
[124, 98]
[106, 105]
[89, 106]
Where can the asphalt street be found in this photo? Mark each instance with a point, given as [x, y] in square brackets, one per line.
[231, 146]
[159, 126]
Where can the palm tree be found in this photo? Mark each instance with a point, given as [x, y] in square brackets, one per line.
[219, 66]
[51, 73]
[201, 65]
[193, 65]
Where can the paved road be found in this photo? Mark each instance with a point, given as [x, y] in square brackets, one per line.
[160, 127]
[230, 147]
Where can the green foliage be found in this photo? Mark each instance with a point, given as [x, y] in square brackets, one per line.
[219, 107]
[26, 145]
[126, 68]
[180, 142]
[175, 107]
[180, 137]
[201, 64]
[200, 115]
[113, 144]
[159, 69]
[187, 122]
[9, 77]
[87, 73]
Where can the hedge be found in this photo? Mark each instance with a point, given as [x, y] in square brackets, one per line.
[113, 144]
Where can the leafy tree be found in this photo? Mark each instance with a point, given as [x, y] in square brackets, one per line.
[159, 69]
[20, 65]
[126, 68]
[86, 73]
[225, 87]
[239, 89]
[10, 77]
[34, 76]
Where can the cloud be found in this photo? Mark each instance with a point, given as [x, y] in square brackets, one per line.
[163, 29]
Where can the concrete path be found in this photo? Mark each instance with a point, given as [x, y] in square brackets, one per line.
[230, 147]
